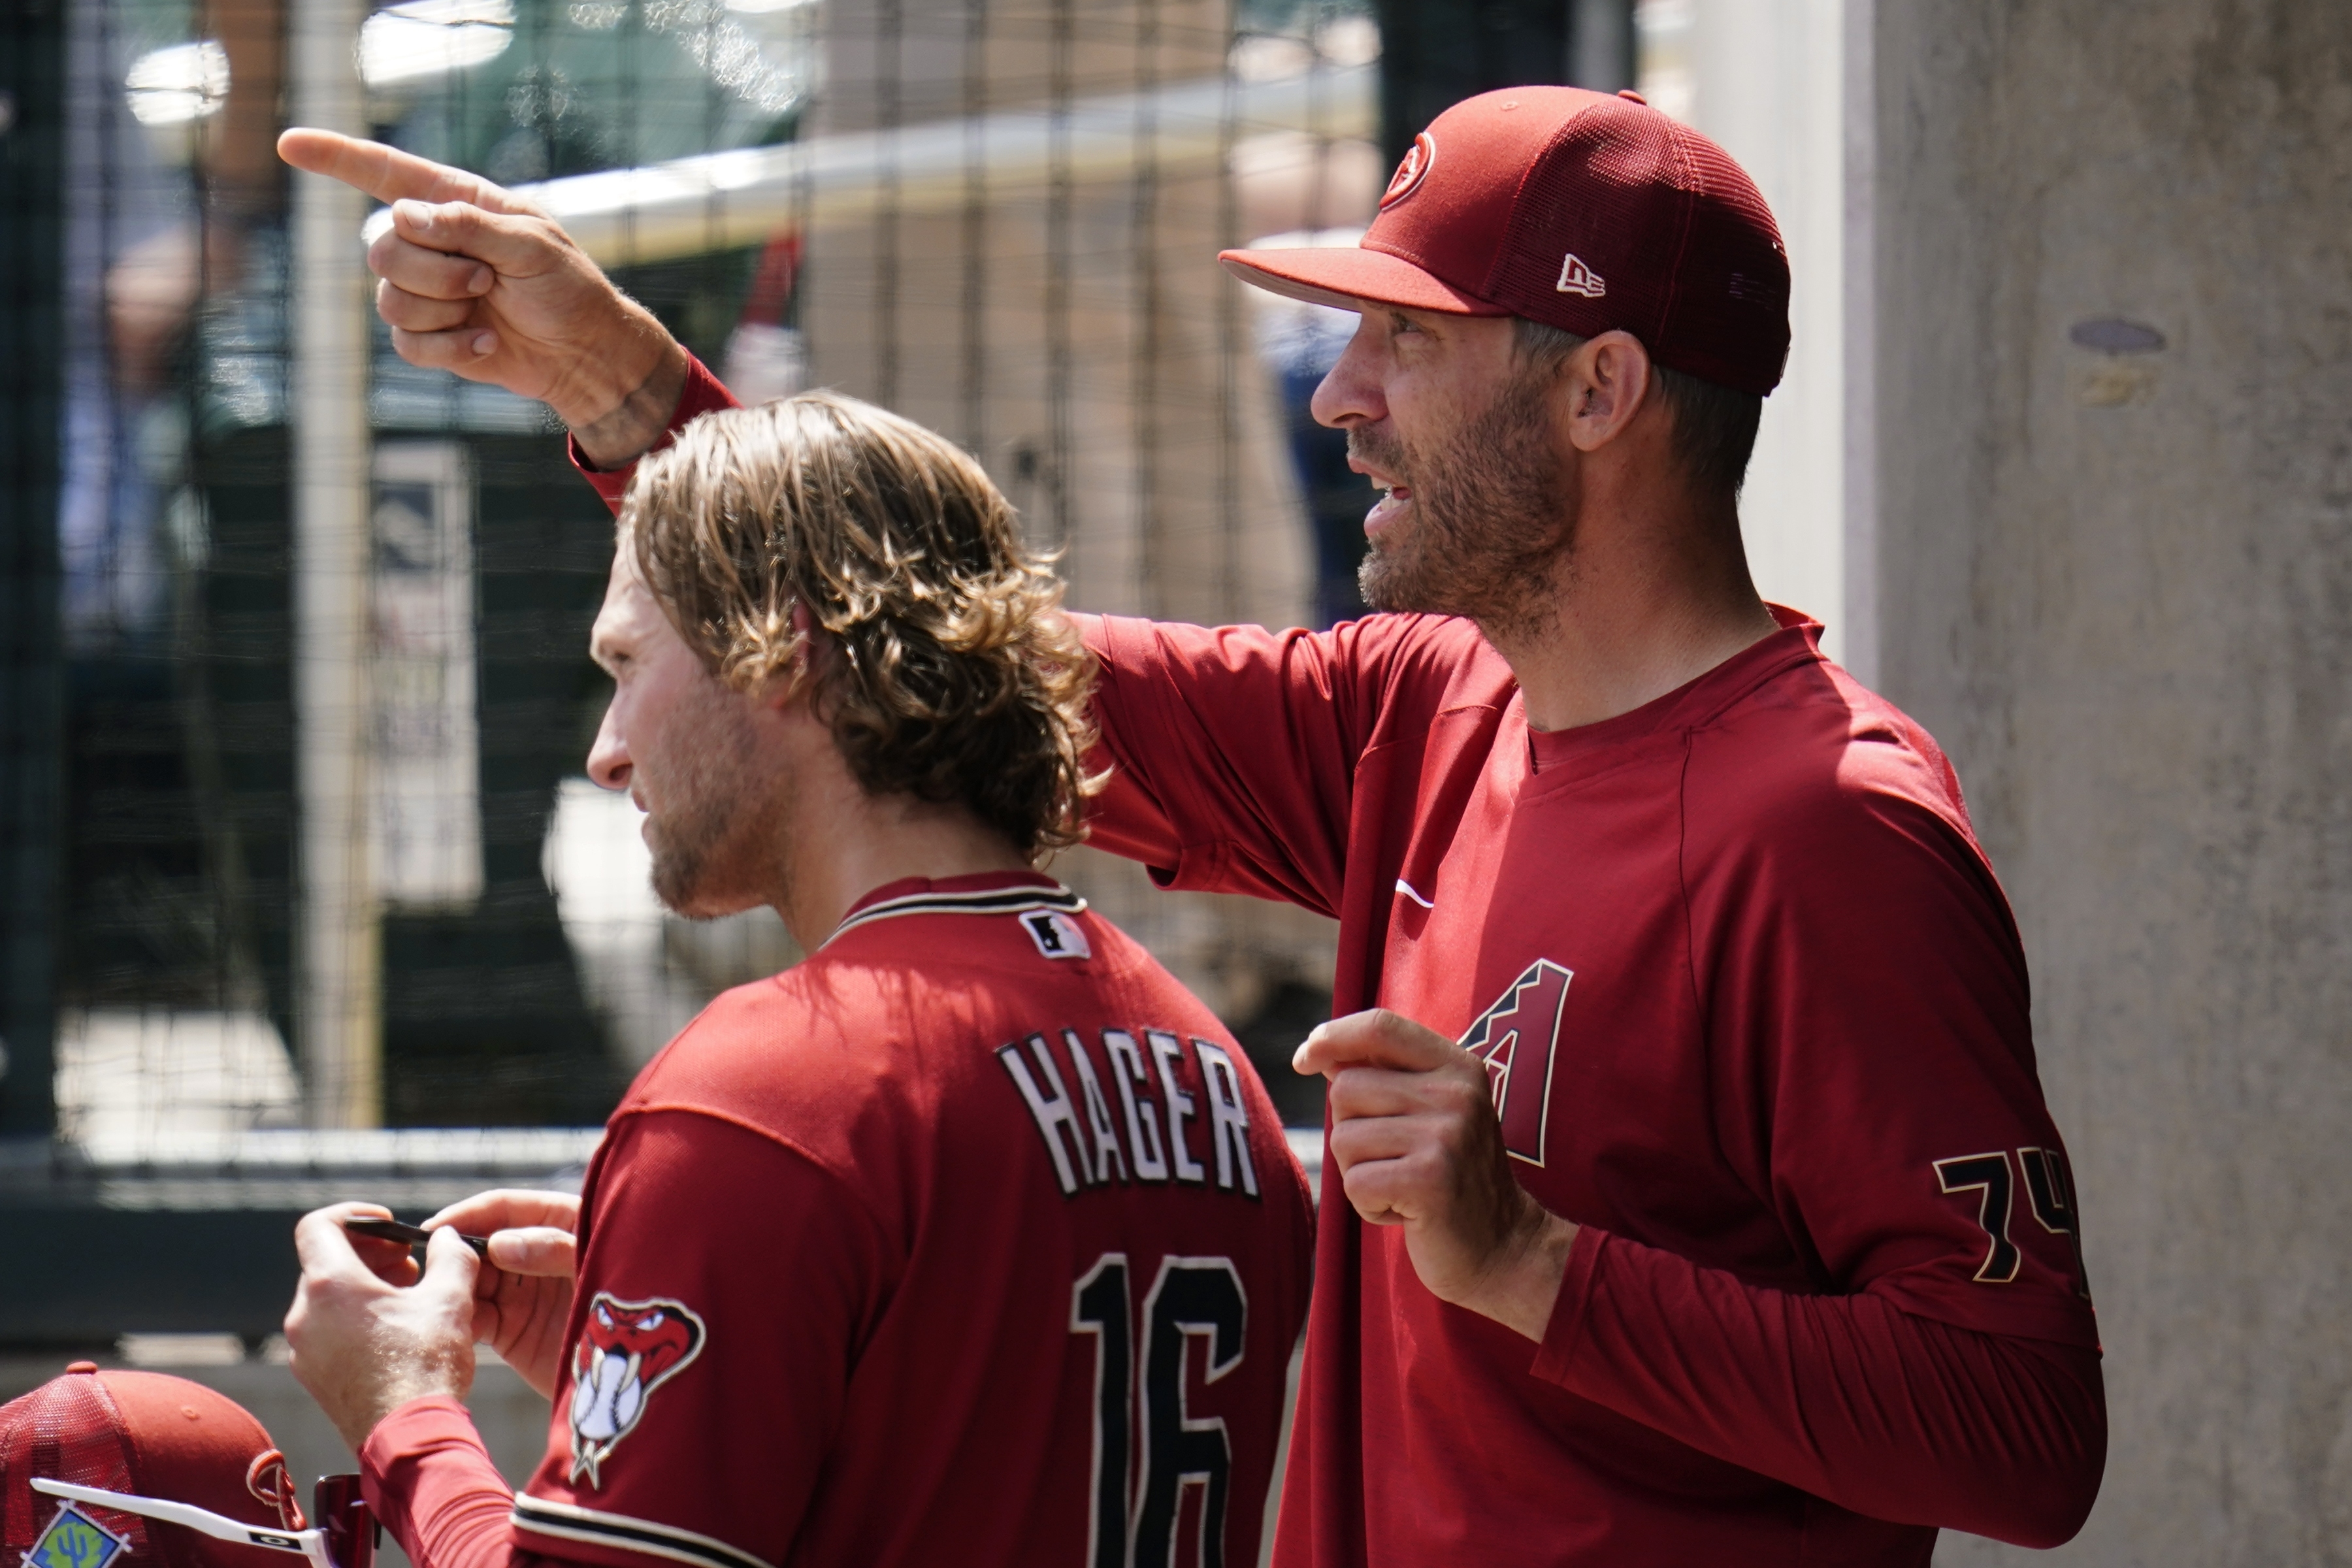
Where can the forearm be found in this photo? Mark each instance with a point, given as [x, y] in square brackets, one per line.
[620, 416]
[638, 428]
[431, 1482]
[1893, 1416]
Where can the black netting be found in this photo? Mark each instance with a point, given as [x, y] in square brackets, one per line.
[997, 217]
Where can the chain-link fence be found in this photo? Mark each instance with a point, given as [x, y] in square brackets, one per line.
[327, 855]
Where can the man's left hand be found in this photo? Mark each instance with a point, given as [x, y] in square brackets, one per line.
[365, 1339]
[1415, 1136]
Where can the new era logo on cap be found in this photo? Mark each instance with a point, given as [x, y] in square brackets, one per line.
[1576, 277]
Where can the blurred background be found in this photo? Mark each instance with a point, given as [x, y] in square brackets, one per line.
[324, 855]
[306, 896]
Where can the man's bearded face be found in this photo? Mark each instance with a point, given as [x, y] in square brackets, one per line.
[1491, 522]
[707, 802]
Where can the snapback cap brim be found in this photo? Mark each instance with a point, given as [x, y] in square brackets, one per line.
[1349, 278]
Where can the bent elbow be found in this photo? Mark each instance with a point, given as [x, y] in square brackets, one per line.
[2043, 1500]
[2051, 1519]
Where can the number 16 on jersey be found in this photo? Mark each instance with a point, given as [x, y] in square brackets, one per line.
[1135, 1503]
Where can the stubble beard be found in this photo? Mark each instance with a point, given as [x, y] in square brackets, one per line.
[714, 849]
[1492, 527]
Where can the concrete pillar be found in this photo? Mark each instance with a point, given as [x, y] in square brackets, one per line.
[2113, 360]
[339, 1001]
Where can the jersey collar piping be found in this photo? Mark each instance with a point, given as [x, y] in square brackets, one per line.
[978, 901]
[1562, 757]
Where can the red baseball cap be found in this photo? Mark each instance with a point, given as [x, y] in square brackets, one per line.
[146, 1434]
[1585, 210]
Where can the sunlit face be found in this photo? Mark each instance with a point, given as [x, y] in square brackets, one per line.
[685, 747]
[1476, 515]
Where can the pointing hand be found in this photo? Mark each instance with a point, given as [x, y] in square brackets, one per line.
[474, 280]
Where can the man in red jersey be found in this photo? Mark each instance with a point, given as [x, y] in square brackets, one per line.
[1700, 1200]
[971, 1238]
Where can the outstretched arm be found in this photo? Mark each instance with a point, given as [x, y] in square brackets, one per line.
[474, 280]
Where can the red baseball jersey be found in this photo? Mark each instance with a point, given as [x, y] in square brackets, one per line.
[970, 1239]
[1755, 1014]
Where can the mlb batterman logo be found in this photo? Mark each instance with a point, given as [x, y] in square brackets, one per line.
[1412, 172]
[626, 1350]
[1056, 935]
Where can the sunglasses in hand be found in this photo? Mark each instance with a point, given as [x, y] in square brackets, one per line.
[344, 1536]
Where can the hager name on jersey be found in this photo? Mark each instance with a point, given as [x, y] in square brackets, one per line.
[1092, 1146]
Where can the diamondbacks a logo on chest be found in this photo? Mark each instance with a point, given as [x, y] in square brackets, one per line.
[1516, 1038]
[626, 1350]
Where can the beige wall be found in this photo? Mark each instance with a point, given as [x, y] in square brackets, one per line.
[2118, 587]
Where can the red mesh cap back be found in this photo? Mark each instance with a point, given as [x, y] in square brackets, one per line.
[137, 1432]
[1584, 210]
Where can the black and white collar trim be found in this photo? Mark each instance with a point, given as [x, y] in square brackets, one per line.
[984, 902]
[564, 1522]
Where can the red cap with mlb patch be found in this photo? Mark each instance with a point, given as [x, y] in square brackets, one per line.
[149, 1435]
[1588, 211]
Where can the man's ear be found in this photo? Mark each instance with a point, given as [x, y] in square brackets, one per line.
[1609, 381]
[810, 650]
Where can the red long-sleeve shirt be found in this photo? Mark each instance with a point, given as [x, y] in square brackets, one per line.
[1756, 1015]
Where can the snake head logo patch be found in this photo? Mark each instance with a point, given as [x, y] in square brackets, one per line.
[626, 1350]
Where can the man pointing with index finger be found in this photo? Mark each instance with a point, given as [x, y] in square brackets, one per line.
[475, 280]
[1701, 1201]
[1692, 1195]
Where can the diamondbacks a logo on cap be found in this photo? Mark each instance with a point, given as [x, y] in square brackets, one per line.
[1516, 1038]
[1410, 174]
[626, 1350]
[1576, 277]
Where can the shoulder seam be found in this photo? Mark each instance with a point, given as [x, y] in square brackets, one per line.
[1373, 747]
[1681, 885]
[1764, 678]
[858, 1199]
[1702, 1012]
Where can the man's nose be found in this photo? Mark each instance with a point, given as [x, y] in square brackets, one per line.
[608, 759]
[1351, 394]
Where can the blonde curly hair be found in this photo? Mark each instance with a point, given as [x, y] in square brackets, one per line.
[957, 680]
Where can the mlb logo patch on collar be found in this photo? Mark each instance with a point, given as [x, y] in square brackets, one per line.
[74, 1540]
[1056, 935]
